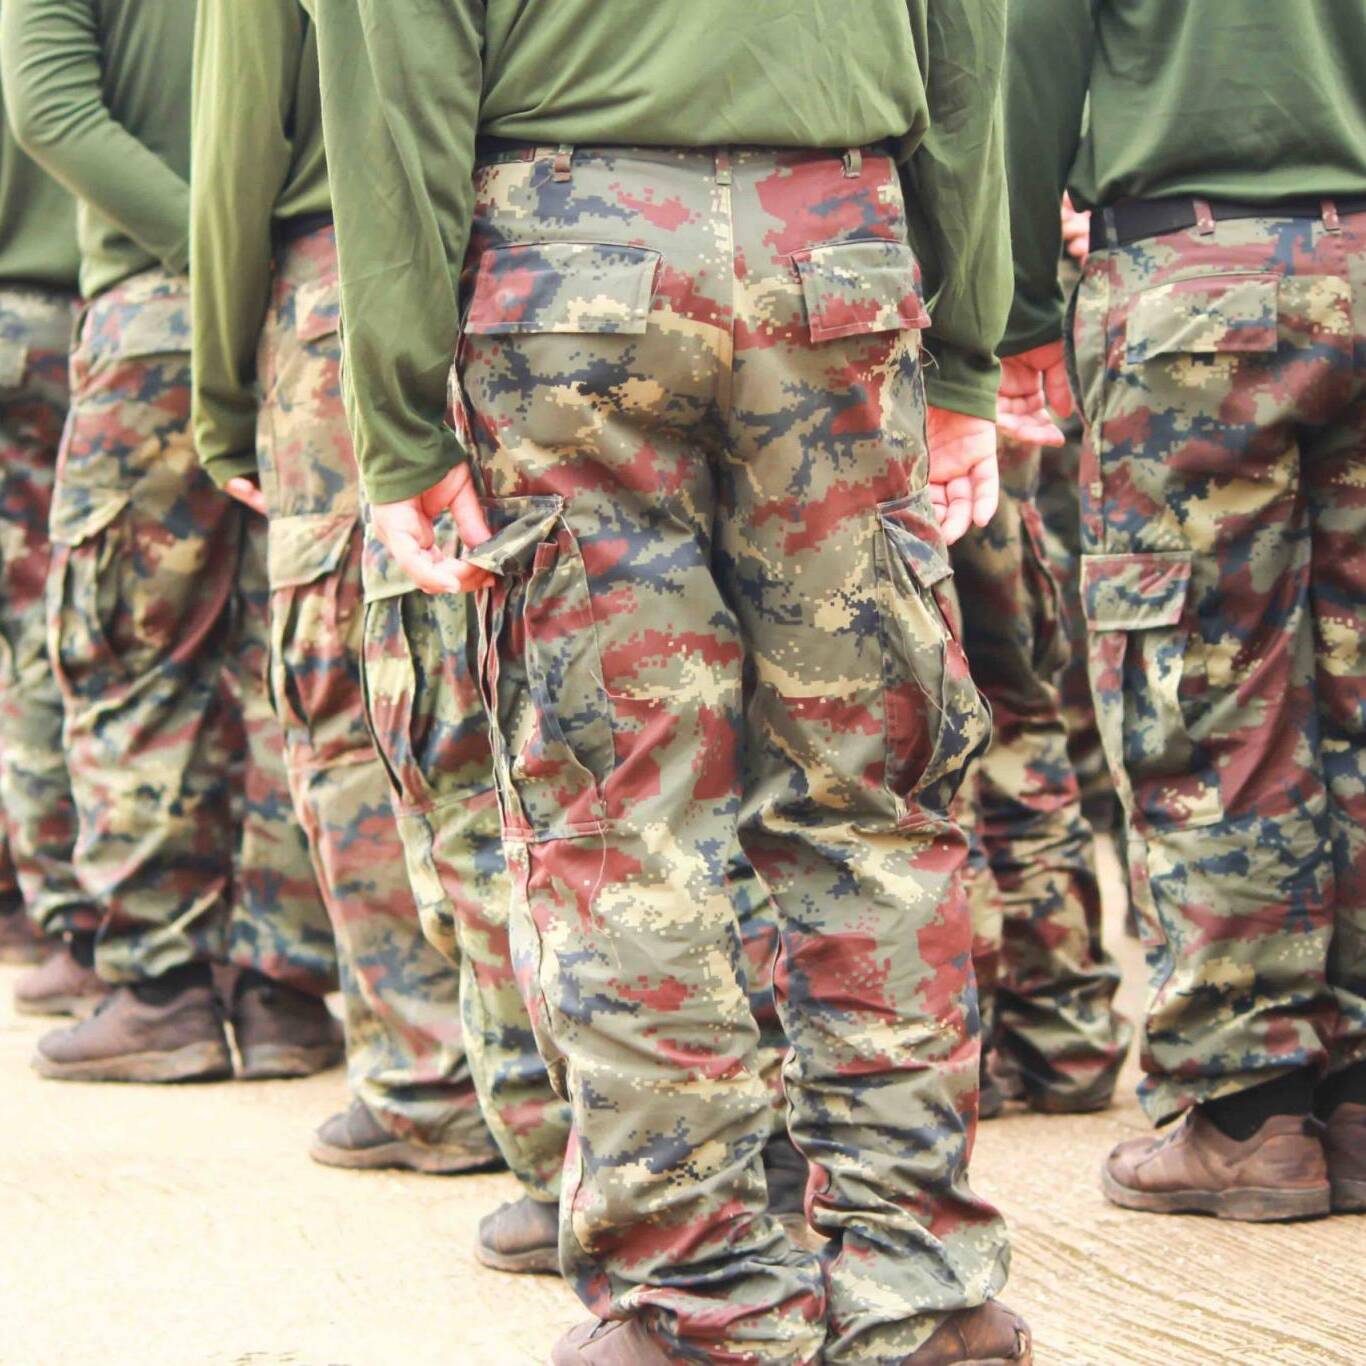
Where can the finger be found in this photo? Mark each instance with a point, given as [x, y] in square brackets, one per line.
[1057, 390]
[957, 517]
[986, 492]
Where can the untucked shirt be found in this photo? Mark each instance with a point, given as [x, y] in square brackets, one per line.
[408, 84]
[258, 165]
[98, 92]
[1250, 100]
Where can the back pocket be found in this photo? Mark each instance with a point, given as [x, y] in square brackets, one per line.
[855, 288]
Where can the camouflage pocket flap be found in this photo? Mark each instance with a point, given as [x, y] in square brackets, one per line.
[79, 513]
[301, 549]
[563, 287]
[857, 287]
[1134, 592]
[1203, 316]
[317, 310]
[13, 364]
[519, 525]
[911, 526]
[154, 327]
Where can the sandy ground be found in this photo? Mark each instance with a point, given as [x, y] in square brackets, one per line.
[145, 1225]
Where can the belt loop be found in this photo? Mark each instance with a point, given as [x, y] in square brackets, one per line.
[1331, 221]
[563, 163]
[723, 166]
[1204, 217]
[853, 164]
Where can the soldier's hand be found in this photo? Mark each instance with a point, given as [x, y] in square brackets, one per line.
[406, 528]
[965, 483]
[1076, 230]
[248, 491]
[1032, 383]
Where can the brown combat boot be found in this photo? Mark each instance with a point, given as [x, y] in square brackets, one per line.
[281, 1031]
[989, 1335]
[523, 1236]
[61, 986]
[1344, 1145]
[356, 1140]
[609, 1342]
[129, 1038]
[21, 941]
[1193, 1168]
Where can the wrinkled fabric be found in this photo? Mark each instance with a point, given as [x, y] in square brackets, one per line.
[405, 1052]
[1224, 587]
[722, 600]
[35, 788]
[156, 601]
[1046, 983]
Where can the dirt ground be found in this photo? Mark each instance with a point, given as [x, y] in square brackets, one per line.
[178, 1226]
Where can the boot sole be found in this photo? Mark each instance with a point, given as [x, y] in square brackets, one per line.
[76, 1006]
[193, 1062]
[1251, 1204]
[267, 1062]
[400, 1156]
[1349, 1197]
[540, 1261]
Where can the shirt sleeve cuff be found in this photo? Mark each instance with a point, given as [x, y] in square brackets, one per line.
[233, 465]
[962, 383]
[393, 483]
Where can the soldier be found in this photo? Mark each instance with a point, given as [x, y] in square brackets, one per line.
[707, 574]
[1218, 341]
[270, 429]
[143, 590]
[1045, 982]
[38, 266]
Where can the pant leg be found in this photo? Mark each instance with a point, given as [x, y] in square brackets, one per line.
[427, 716]
[859, 729]
[35, 788]
[139, 594]
[1196, 388]
[1055, 1020]
[614, 687]
[1335, 476]
[279, 923]
[405, 1052]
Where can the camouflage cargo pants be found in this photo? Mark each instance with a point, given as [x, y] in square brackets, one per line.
[35, 788]
[156, 588]
[1046, 983]
[1223, 381]
[405, 1054]
[721, 604]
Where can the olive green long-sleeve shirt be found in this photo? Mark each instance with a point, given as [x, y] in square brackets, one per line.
[409, 84]
[257, 165]
[1250, 100]
[37, 222]
[98, 92]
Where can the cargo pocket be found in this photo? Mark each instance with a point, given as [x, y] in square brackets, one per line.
[542, 671]
[935, 720]
[1147, 677]
[567, 287]
[854, 288]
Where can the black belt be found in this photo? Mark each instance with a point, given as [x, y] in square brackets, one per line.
[489, 148]
[305, 225]
[1132, 220]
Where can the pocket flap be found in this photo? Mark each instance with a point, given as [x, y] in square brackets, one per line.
[857, 287]
[152, 327]
[1203, 316]
[301, 549]
[563, 287]
[913, 529]
[80, 513]
[317, 310]
[1134, 592]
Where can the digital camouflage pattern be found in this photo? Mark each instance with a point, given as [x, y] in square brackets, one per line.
[722, 598]
[1224, 583]
[144, 620]
[1045, 982]
[35, 788]
[405, 1053]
